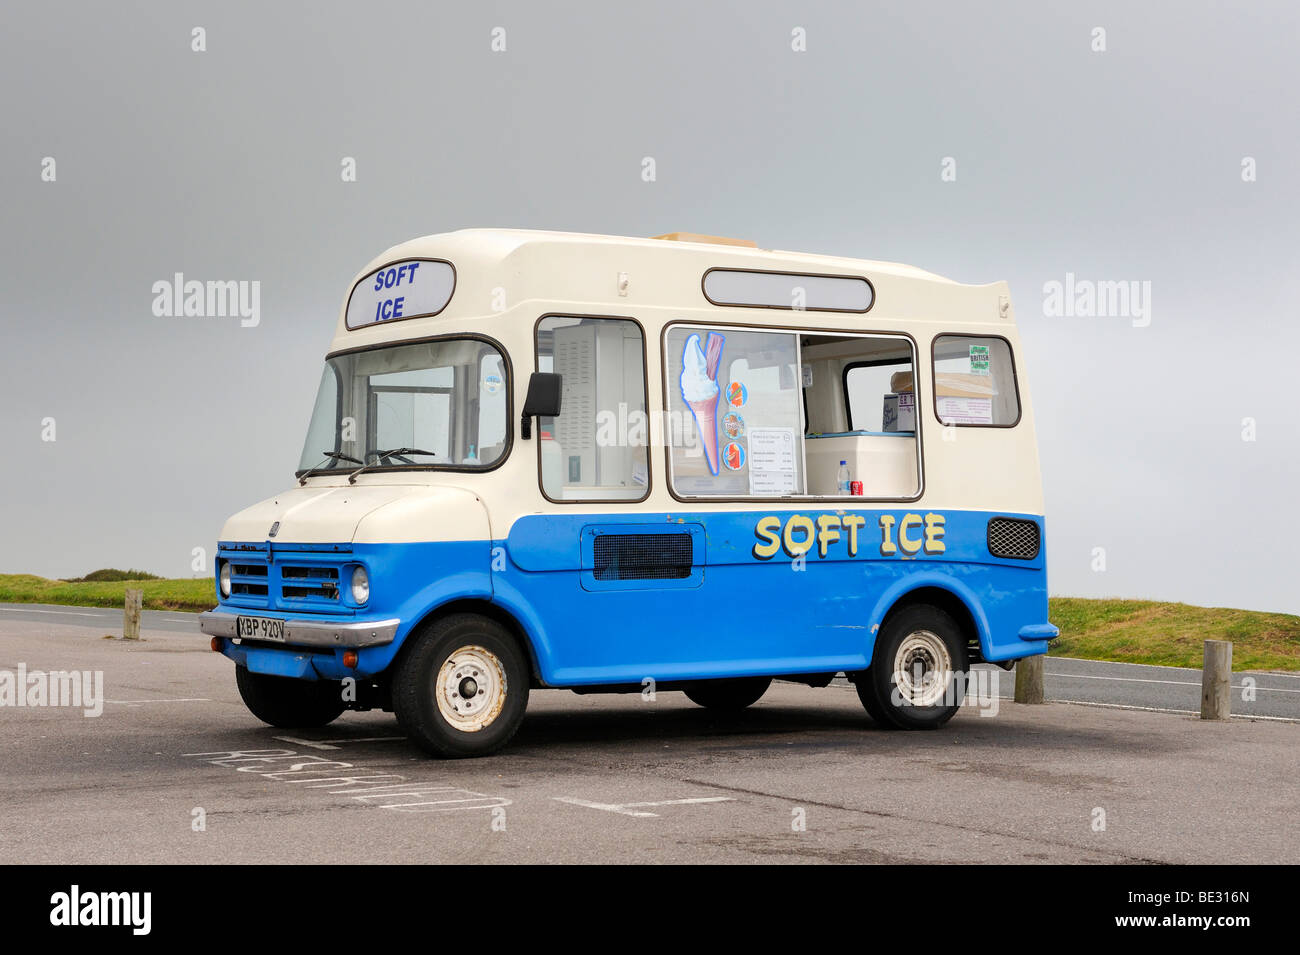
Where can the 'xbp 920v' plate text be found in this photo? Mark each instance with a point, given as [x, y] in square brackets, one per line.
[260, 628]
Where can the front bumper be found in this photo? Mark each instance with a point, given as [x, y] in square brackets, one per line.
[326, 634]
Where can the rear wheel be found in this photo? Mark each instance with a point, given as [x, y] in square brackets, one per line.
[288, 703]
[723, 695]
[917, 678]
[461, 689]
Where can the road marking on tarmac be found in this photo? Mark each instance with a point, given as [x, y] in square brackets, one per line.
[57, 613]
[331, 744]
[634, 808]
[1130, 679]
[193, 699]
[1159, 709]
[381, 789]
[305, 742]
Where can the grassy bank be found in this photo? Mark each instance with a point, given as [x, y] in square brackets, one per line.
[1148, 631]
[1128, 631]
[158, 594]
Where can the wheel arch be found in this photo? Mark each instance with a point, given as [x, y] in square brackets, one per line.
[486, 608]
[948, 596]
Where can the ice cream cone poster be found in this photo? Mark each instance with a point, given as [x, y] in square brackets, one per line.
[699, 381]
[718, 398]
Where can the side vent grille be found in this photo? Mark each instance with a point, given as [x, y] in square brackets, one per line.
[1013, 538]
[642, 556]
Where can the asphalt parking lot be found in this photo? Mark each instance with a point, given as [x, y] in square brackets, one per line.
[176, 770]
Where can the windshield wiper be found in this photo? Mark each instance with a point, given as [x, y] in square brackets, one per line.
[329, 456]
[381, 456]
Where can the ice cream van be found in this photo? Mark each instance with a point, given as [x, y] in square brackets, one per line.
[542, 460]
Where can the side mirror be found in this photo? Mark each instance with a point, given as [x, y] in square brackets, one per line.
[543, 399]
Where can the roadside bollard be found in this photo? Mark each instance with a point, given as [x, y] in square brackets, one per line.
[1216, 680]
[1029, 680]
[131, 619]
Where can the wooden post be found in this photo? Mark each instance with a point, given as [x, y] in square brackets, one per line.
[131, 621]
[1029, 679]
[1216, 680]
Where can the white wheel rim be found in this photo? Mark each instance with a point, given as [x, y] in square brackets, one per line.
[471, 689]
[922, 669]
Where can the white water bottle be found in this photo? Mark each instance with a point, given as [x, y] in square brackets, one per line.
[844, 479]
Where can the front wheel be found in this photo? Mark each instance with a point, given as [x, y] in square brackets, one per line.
[728, 695]
[288, 703]
[462, 687]
[917, 677]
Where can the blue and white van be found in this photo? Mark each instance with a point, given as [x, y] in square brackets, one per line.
[543, 460]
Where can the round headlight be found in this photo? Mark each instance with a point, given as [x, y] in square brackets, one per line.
[360, 585]
[224, 578]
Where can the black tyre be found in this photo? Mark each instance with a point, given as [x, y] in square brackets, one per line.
[462, 687]
[917, 677]
[723, 695]
[288, 703]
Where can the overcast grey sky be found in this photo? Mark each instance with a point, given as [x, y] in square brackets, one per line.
[1122, 165]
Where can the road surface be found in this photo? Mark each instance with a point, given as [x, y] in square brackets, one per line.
[174, 769]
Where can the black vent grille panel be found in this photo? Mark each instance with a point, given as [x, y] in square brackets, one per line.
[1013, 538]
[642, 556]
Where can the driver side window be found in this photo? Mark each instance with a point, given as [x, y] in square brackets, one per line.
[596, 449]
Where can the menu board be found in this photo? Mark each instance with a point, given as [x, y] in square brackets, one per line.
[773, 461]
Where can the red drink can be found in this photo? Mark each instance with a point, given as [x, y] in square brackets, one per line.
[855, 488]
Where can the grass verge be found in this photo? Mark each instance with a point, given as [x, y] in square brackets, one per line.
[1172, 634]
[158, 594]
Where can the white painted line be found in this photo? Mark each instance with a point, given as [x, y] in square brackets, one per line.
[370, 739]
[194, 699]
[323, 744]
[1118, 663]
[632, 808]
[304, 742]
[1130, 679]
[1160, 666]
[1158, 709]
[57, 613]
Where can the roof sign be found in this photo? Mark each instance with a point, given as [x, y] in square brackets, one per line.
[413, 288]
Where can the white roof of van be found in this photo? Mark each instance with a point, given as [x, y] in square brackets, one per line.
[500, 244]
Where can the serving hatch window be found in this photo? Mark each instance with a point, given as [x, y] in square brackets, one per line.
[763, 413]
[975, 382]
[879, 395]
[423, 404]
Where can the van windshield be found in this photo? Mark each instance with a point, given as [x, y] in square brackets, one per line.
[446, 398]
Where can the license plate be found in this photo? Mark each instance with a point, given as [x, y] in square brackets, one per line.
[259, 628]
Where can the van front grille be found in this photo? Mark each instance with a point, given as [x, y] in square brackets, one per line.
[300, 583]
[310, 583]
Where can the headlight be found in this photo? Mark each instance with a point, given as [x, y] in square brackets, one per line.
[224, 577]
[360, 585]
